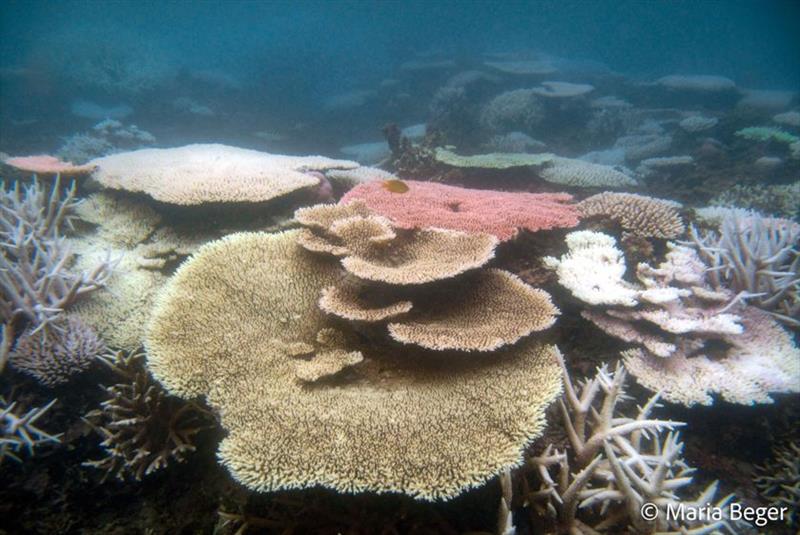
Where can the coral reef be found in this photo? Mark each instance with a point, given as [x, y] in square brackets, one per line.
[615, 464]
[378, 425]
[196, 174]
[520, 109]
[143, 428]
[502, 214]
[35, 276]
[47, 165]
[778, 481]
[638, 214]
[53, 356]
[778, 200]
[106, 137]
[494, 160]
[759, 256]
[19, 433]
[581, 174]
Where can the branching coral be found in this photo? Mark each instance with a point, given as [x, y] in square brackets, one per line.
[759, 256]
[19, 433]
[615, 465]
[698, 340]
[778, 481]
[143, 428]
[35, 278]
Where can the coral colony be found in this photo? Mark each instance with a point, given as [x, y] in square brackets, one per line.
[313, 331]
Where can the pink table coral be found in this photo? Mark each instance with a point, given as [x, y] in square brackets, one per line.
[45, 164]
[501, 213]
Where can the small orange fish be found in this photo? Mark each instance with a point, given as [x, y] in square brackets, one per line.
[395, 186]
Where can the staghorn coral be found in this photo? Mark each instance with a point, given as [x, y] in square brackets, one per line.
[54, 355]
[415, 422]
[581, 174]
[460, 321]
[19, 433]
[206, 173]
[638, 214]
[37, 284]
[143, 428]
[615, 464]
[778, 480]
[759, 256]
[593, 269]
[502, 214]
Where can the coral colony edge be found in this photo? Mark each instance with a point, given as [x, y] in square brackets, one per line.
[551, 299]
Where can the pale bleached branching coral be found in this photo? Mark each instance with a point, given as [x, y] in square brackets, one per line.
[759, 256]
[236, 319]
[20, 434]
[143, 428]
[460, 321]
[208, 173]
[614, 465]
[638, 214]
[36, 278]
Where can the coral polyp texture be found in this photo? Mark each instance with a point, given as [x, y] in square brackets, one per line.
[239, 324]
[581, 174]
[638, 214]
[502, 214]
[208, 173]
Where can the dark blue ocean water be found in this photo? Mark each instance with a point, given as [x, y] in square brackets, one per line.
[286, 58]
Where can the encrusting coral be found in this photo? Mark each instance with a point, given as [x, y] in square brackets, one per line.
[759, 256]
[35, 268]
[232, 324]
[502, 214]
[143, 428]
[675, 314]
[207, 173]
[638, 214]
[615, 465]
[18, 433]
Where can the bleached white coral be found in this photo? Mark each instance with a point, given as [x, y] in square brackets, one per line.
[593, 269]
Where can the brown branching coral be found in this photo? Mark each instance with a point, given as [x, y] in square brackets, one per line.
[425, 424]
[19, 433]
[37, 284]
[778, 481]
[143, 428]
[52, 356]
[638, 214]
[616, 464]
